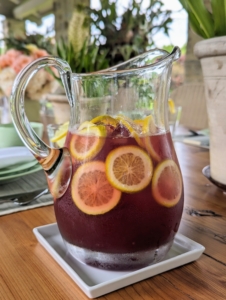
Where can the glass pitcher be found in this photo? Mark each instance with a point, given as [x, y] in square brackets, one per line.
[116, 183]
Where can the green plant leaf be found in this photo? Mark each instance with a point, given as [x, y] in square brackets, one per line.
[219, 16]
[200, 18]
[194, 23]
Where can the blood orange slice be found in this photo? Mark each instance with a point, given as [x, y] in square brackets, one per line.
[167, 183]
[158, 146]
[87, 143]
[129, 168]
[91, 191]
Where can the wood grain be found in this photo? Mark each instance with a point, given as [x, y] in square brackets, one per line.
[27, 271]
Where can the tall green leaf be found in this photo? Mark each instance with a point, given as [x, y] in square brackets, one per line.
[200, 18]
[219, 16]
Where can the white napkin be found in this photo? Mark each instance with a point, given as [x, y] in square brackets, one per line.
[14, 155]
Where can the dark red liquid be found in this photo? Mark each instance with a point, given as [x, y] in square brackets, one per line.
[136, 223]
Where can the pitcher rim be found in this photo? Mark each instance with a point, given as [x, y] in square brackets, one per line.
[173, 55]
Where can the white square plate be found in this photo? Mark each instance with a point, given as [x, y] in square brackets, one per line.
[96, 282]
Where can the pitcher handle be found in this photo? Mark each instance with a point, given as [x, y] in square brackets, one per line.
[55, 162]
[46, 155]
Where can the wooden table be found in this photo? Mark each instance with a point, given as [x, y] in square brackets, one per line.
[27, 271]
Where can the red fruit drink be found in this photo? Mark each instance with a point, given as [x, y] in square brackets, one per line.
[140, 229]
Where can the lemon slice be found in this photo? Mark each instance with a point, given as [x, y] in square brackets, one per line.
[130, 126]
[129, 169]
[127, 123]
[147, 125]
[87, 143]
[106, 120]
[86, 124]
[171, 106]
[60, 134]
[61, 142]
[139, 122]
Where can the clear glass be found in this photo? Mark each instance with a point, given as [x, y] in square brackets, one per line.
[116, 183]
[4, 111]
[51, 131]
[174, 119]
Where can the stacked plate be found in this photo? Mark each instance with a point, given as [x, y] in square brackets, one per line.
[16, 162]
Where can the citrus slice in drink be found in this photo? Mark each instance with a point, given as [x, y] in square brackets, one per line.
[58, 183]
[130, 126]
[106, 120]
[158, 148]
[60, 134]
[109, 122]
[86, 124]
[87, 143]
[148, 125]
[152, 148]
[61, 142]
[91, 191]
[167, 183]
[129, 168]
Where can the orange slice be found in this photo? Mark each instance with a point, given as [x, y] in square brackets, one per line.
[91, 191]
[129, 168]
[158, 146]
[58, 183]
[151, 148]
[167, 183]
[88, 142]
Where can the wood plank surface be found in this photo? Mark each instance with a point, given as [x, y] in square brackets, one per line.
[201, 195]
[27, 271]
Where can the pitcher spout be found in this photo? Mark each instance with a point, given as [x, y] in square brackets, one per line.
[175, 53]
[147, 59]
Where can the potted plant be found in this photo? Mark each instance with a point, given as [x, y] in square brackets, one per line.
[114, 37]
[210, 23]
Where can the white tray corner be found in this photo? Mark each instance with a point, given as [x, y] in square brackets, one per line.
[96, 282]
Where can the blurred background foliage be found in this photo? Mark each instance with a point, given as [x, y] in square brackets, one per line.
[41, 41]
[102, 37]
[113, 37]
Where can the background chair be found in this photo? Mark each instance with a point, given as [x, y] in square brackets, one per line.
[191, 97]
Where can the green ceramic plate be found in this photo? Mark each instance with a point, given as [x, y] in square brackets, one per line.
[17, 175]
[17, 168]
